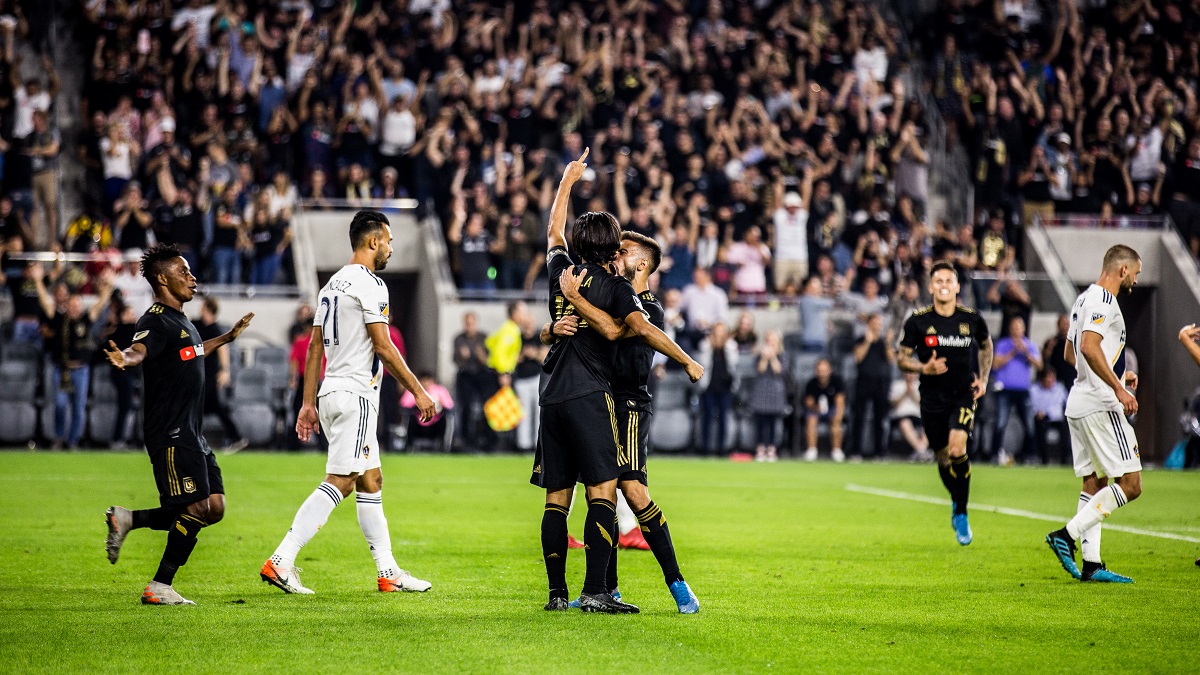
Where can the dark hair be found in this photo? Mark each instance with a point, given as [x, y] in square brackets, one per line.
[365, 224]
[512, 307]
[648, 243]
[597, 237]
[943, 265]
[155, 261]
[1118, 255]
[211, 304]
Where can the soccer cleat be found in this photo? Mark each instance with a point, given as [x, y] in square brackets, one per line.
[838, 455]
[962, 529]
[286, 579]
[557, 605]
[1064, 549]
[236, 447]
[162, 594]
[572, 542]
[403, 581]
[634, 539]
[574, 604]
[810, 455]
[1102, 575]
[120, 522]
[604, 603]
[685, 599]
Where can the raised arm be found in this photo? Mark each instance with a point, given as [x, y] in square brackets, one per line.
[211, 346]
[555, 232]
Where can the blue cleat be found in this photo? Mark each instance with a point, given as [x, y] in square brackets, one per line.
[1064, 549]
[685, 599]
[962, 529]
[1102, 575]
[616, 595]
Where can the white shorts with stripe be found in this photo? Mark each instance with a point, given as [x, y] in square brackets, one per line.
[1103, 443]
[349, 422]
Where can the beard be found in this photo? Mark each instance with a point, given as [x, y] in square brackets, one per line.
[381, 262]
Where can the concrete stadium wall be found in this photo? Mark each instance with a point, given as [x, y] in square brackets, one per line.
[328, 232]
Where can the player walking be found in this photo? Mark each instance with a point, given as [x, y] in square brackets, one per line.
[1102, 441]
[191, 493]
[940, 342]
[637, 259]
[351, 329]
[578, 411]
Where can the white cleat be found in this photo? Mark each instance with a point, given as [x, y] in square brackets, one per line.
[810, 455]
[838, 455]
[403, 581]
[162, 594]
[286, 579]
[120, 521]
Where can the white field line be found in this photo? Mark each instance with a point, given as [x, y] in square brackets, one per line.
[1021, 513]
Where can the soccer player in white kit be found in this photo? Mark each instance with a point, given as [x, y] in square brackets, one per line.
[1102, 441]
[350, 329]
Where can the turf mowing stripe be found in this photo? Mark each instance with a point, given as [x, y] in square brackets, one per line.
[878, 492]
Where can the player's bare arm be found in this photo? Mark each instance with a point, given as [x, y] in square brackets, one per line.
[125, 358]
[1188, 336]
[1069, 353]
[1094, 355]
[211, 346]
[610, 328]
[663, 344]
[564, 327]
[387, 352]
[307, 421]
[555, 233]
[986, 355]
[909, 362]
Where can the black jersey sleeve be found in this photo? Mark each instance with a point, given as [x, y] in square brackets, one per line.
[981, 330]
[910, 337]
[150, 334]
[557, 260]
[621, 299]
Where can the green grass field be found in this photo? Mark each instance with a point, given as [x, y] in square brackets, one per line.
[793, 571]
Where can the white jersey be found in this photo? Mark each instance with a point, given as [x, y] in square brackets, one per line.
[1096, 311]
[353, 298]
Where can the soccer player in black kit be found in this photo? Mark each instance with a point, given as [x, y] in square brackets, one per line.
[579, 439]
[638, 258]
[191, 493]
[942, 342]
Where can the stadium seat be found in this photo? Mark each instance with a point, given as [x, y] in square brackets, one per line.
[17, 395]
[252, 406]
[793, 343]
[673, 392]
[671, 430]
[274, 360]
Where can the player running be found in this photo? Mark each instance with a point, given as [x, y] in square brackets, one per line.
[579, 437]
[637, 259]
[1102, 441]
[940, 342]
[191, 494]
[351, 329]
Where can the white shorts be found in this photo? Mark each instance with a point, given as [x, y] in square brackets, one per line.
[1103, 443]
[349, 422]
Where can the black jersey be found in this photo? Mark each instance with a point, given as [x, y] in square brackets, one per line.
[583, 363]
[956, 338]
[173, 373]
[631, 372]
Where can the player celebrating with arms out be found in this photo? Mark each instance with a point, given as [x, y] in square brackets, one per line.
[350, 328]
[191, 493]
[1102, 441]
[940, 342]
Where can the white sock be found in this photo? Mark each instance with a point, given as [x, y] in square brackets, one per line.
[313, 514]
[375, 529]
[1089, 543]
[1101, 506]
[626, 521]
[571, 506]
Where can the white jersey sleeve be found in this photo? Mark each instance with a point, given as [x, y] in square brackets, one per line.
[1096, 311]
[353, 299]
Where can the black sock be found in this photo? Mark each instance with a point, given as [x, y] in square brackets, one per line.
[1090, 567]
[654, 528]
[181, 539]
[960, 491]
[610, 578]
[156, 519]
[600, 531]
[947, 480]
[554, 548]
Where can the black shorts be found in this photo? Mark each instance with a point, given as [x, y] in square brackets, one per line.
[634, 427]
[185, 475]
[940, 420]
[577, 442]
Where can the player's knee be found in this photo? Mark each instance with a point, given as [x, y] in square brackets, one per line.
[200, 510]
[636, 494]
[1131, 488]
[216, 513]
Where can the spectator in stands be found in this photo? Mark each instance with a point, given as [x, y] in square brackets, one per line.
[679, 260]
[768, 395]
[703, 304]
[70, 347]
[744, 335]
[42, 145]
[526, 379]
[824, 401]
[814, 316]
[1016, 360]
[27, 311]
[749, 258]
[474, 246]
[30, 97]
[132, 219]
[1009, 294]
[719, 356]
[1036, 181]
[1054, 353]
[229, 237]
[790, 236]
[119, 157]
[434, 430]
[906, 415]
[474, 382]
[520, 232]
[120, 329]
[1048, 401]
[135, 290]
[270, 235]
[14, 224]
[874, 355]
[870, 302]
[218, 375]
